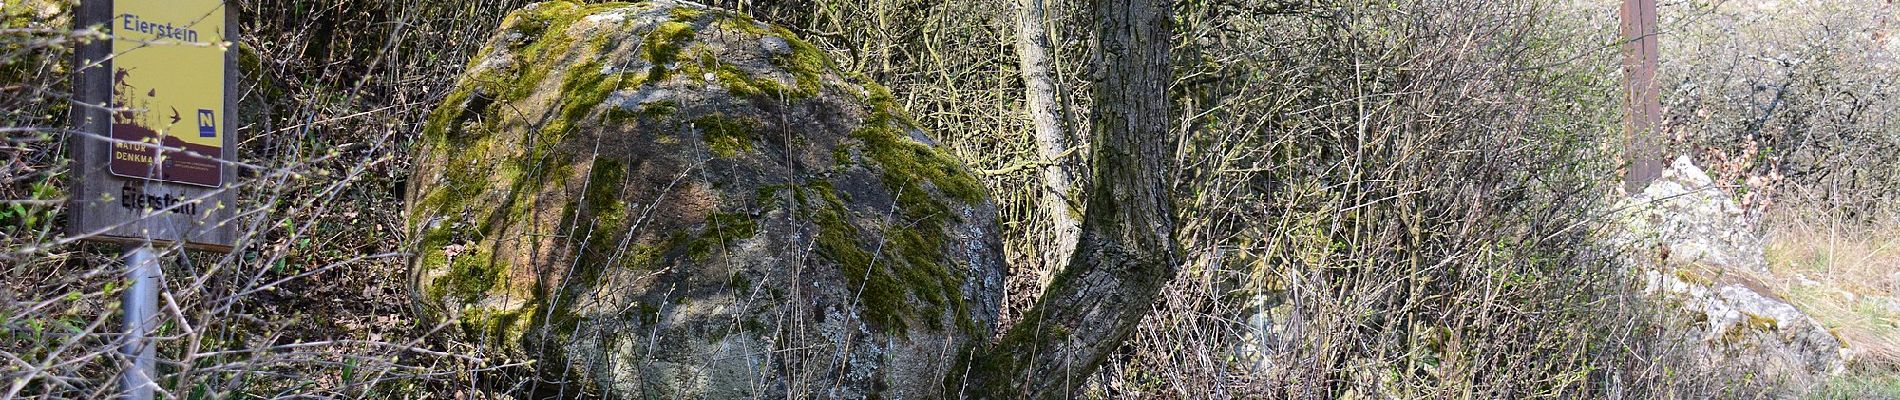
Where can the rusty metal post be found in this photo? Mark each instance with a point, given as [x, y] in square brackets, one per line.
[1642, 119]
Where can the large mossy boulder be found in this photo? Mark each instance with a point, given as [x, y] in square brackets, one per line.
[657, 200]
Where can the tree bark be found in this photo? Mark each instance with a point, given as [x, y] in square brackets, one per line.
[1127, 250]
[1046, 113]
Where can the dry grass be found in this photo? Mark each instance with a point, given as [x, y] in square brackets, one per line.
[1412, 216]
[1846, 275]
[1404, 174]
[1789, 104]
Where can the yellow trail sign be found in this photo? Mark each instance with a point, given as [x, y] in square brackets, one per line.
[155, 140]
[168, 87]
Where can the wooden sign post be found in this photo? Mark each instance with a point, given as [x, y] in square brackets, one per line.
[1643, 117]
[153, 146]
[153, 152]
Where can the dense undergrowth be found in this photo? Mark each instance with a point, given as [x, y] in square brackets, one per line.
[1378, 198]
[1791, 106]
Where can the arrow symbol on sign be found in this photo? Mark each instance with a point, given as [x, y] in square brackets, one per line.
[175, 115]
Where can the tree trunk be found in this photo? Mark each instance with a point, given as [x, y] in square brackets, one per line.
[1127, 249]
[1053, 144]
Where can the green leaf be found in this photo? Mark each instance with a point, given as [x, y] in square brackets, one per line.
[349, 371]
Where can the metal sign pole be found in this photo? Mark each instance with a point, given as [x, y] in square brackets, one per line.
[140, 303]
[151, 159]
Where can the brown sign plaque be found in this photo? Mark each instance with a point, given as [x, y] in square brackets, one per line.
[152, 143]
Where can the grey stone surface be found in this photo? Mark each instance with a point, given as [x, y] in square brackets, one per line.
[1702, 255]
[1698, 222]
[656, 200]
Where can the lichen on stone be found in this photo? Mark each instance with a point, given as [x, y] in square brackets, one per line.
[604, 170]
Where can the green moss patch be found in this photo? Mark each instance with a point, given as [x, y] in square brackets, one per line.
[727, 136]
[604, 183]
[649, 113]
[909, 165]
[662, 46]
[687, 14]
[882, 295]
[670, 43]
[721, 229]
[742, 84]
[918, 175]
[907, 265]
[499, 326]
[806, 62]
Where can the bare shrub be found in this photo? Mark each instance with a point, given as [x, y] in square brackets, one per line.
[1789, 99]
[1419, 182]
[1792, 107]
[1414, 185]
[1407, 192]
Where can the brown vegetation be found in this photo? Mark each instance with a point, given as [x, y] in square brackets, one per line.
[1374, 198]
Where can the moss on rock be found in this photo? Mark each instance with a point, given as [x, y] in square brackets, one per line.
[603, 169]
[663, 45]
[721, 229]
[727, 136]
